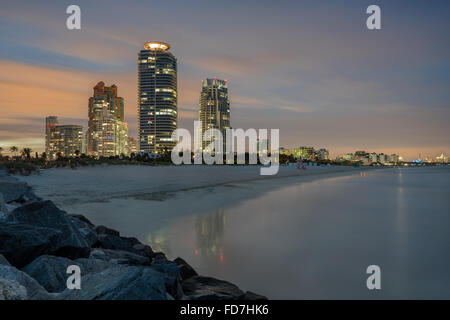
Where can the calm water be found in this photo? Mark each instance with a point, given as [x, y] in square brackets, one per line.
[315, 239]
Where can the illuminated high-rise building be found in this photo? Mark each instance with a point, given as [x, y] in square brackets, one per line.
[214, 111]
[157, 98]
[62, 140]
[50, 122]
[107, 133]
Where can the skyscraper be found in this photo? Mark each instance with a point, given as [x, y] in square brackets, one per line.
[157, 98]
[107, 133]
[50, 122]
[214, 111]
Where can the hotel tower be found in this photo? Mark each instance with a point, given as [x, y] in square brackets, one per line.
[157, 98]
[214, 111]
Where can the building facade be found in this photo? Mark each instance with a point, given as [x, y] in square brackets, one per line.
[214, 109]
[157, 98]
[50, 122]
[63, 140]
[107, 133]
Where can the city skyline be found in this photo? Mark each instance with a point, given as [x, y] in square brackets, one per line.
[384, 92]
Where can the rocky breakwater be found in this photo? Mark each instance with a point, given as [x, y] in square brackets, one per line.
[38, 242]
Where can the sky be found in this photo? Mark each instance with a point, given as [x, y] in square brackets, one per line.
[309, 68]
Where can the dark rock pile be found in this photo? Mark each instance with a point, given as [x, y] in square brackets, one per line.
[38, 242]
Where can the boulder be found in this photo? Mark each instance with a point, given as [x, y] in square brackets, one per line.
[3, 261]
[120, 257]
[105, 230]
[186, 271]
[15, 191]
[12, 290]
[86, 230]
[83, 219]
[204, 288]
[49, 271]
[143, 250]
[21, 243]
[34, 290]
[69, 243]
[120, 283]
[171, 278]
[113, 242]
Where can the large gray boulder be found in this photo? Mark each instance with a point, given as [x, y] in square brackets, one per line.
[85, 228]
[172, 278]
[34, 290]
[208, 288]
[51, 271]
[15, 191]
[120, 283]
[22, 243]
[69, 243]
[12, 290]
[186, 271]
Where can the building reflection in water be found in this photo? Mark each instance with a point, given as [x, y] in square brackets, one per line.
[210, 231]
[159, 241]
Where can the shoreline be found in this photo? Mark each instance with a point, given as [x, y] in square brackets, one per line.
[160, 202]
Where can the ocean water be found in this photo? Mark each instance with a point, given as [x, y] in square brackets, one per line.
[315, 239]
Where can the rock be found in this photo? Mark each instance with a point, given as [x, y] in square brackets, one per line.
[15, 191]
[120, 257]
[105, 230]
[49, 271]
[120, 283]
[143, 250]
[252, 296]
[186, 271]
[3, 261]
[83, 219]
[86, 230]
[199, 287]
[69, 243]
[34, 290]
[112, 242]
[171, 278]
[3, 207]
[159, 257]
[12, 290]
[21, 243]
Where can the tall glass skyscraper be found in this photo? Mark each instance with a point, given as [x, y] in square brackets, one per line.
[157, 98]
[214, 111]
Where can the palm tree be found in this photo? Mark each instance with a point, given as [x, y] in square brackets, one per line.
[13, 149]
[77, 152]
[26, 152]
[1, 149]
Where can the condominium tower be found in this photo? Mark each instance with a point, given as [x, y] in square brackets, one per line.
[157, 98]
[107, 134]
[62, 140]
[214, 111]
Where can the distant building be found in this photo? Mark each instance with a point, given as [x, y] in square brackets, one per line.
[133, 146]
[323, 154]
[50, 122]
[304, 153]
[382, 158]
[214, 110]
[64, 140]
[393, 158]
[348, 157]
[284, 151]
[157, 98]
[107, 132]
[373, 157]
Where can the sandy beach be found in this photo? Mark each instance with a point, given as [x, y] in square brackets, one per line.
[104, 194]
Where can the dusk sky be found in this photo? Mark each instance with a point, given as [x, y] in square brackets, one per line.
[310, 68]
